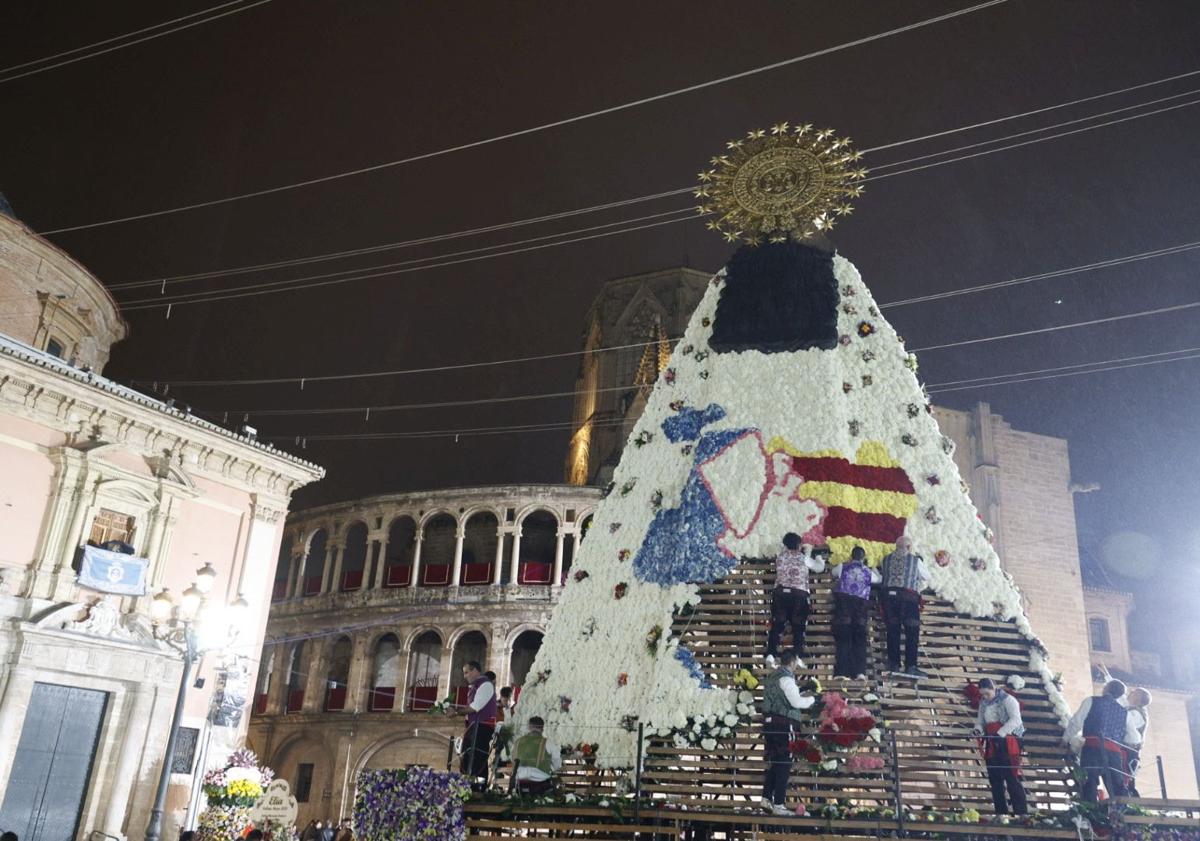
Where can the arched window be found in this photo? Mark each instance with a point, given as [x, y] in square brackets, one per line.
[314, 563]
[262, 687]
[337, 678]
[525, 649]
[297, 674]
[1098, 633]
[437, 550]
[402, 542]
[282, 567]
[539, 539]
[424, 670]
[385, 673]
[471, 646]
[479, 548]
[354, 557]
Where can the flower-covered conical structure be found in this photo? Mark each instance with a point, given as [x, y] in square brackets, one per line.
[790, 405]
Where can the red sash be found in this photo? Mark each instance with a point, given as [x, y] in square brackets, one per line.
[1107, 745]
[1009, 745]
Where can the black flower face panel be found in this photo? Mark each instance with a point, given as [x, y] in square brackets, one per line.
[778, 298]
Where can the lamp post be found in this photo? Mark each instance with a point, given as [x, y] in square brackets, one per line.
[189, 627]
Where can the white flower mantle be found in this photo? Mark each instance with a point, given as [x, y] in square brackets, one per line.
[812, 402]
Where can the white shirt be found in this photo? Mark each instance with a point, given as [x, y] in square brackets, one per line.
[792, 692]
[1074, 734]
[1136, 723]
[536, 775]
[482, 695]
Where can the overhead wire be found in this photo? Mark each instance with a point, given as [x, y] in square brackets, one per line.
[1060, 375]
[1056, 328]
[568, 425]
[544, 126]
[161, 281]
[1064, 367]
[275, 287]
[293, 284]
[186, 296]
[1086, 267]
[7, 76]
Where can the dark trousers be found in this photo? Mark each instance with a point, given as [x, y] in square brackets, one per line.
[1001, 776]
[902, 614]
[849, 635]
[1104, 765]
[777, 731]
[1133, 760]
[788, 606]
[476, 743]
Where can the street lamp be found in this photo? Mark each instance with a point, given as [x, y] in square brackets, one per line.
[192, 627]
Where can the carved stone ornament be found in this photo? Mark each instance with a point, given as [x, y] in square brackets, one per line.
[99, 618]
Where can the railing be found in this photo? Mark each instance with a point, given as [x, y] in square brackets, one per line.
[393, 594]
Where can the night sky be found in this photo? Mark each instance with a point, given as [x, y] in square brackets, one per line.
[290, 91]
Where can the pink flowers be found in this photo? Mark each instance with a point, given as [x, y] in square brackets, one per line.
[864, 762]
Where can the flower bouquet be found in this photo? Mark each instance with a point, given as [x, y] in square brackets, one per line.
[230, 792]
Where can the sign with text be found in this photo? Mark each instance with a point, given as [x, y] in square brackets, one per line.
[277, 805]
[113, 572]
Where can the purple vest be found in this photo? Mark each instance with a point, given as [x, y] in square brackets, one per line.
[486, 716]
[855, 580]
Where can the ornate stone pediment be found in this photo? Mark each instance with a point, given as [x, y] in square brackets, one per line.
[98, 618]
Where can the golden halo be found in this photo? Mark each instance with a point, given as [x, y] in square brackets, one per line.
[786, 182]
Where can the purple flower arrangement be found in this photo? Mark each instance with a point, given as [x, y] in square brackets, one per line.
[418, 804]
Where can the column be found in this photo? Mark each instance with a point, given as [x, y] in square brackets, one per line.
[297, 588]
[556, 576]
[290, 578]
[360, 673]
[416, 562]
[498, 564]
[278, 687]
[402, 679]
[132, 739]
[316, 684]
[445, 672]
[373, 574]
[515, 564]
[382, 564]
[456, 575]
[333, 568]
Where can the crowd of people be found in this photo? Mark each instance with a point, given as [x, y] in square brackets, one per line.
[1107, 732]
[900, 578]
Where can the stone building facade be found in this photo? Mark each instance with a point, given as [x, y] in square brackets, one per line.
[87, 690]
[378, 604]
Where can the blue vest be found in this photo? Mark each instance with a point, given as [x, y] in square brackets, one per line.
[900, 572]
[1105, 719]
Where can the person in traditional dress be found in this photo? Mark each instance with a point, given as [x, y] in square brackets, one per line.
[789, 599]
[1098, 730]
[480, 725]
[1137, 721]
[783, 704]
[538, 759]
[904, 577]
[851, 598]
[999, 728]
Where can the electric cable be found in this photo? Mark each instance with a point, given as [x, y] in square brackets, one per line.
[1056, 328]
[13, 77]
[984, 382]
[1092, 266]
[161, 281]
[283, 285]
[544, 126]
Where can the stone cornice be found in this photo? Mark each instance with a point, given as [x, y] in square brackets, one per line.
[494, 495]
[85, 406]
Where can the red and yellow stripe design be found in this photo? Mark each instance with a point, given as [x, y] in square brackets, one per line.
[867, 501]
